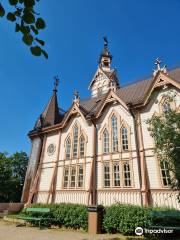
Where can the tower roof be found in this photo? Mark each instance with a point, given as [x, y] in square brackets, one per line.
[51, 114]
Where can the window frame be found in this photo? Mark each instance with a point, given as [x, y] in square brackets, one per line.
[114, 137]
[84, 142]
[127, 138]
[78, 175]
[66, 147]
[105, 174]
[75, 141]
[65, 168]
[75, 177]
[119, 172]
[130, 173]
[106, 144]
[165, 170]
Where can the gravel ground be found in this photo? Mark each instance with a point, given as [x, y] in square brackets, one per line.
[9, 231]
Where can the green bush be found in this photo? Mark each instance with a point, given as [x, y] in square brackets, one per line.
[71, 216]
[125, 218]
[64, 215]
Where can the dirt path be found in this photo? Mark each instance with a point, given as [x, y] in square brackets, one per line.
[9, 231]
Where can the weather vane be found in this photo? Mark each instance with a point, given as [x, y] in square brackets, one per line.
[105, 42]
[56, 82]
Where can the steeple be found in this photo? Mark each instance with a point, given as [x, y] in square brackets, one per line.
[105, 78]
[50, 115]
[105, 57]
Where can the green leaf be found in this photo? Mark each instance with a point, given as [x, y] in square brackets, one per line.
[36, 51]
[13, 2]
[28, 17]
[29, 3]
[34, 29]
[28, 39]
[17, 28]
[11, 17]
[40, 24]
[44, 53]
[2, 11]
[40, 41]
[24, 29]
[18, 12]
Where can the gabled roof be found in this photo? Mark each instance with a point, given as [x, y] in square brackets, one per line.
[134, 94]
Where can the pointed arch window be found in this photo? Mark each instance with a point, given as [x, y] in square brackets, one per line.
[82, 146]
[68, 148]
[114, 134]
[127, 175]
[165, 173]
[75, 141]
[124, 137]
[106, 141]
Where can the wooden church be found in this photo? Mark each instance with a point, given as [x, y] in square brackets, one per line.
[100, 151]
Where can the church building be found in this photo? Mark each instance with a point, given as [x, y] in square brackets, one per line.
[100, 151]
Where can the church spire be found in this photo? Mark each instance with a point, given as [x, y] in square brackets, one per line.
[105, 78]
[105, 57]
[50, 115]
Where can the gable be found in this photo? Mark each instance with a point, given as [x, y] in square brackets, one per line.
[161, 81]
[111, 97]
[99, 74]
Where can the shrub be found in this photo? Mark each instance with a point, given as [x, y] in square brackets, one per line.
[71, 216]
[64, 215]
[125, 218]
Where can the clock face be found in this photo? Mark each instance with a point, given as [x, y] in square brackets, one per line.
[51, 149]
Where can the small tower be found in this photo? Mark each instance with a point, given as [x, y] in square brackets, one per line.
[105, 78]
[105, 57]
[51, 114]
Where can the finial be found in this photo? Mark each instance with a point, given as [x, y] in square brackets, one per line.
[76, 97]
[105, 42]
[158, 63]
[163, 69]
[56, 83]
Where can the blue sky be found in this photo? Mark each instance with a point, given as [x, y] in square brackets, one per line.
[138, 31]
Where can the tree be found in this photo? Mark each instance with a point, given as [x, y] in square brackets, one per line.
[165, 130]
[27, 22]
[12, 176]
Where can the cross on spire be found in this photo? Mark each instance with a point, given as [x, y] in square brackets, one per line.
[158, 63]
[56, 83]
[76, 95]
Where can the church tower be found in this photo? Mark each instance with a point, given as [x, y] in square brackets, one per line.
[105, 78]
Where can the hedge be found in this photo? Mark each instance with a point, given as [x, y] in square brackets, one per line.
[64, 215]
[118, 218]
[121, 218]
